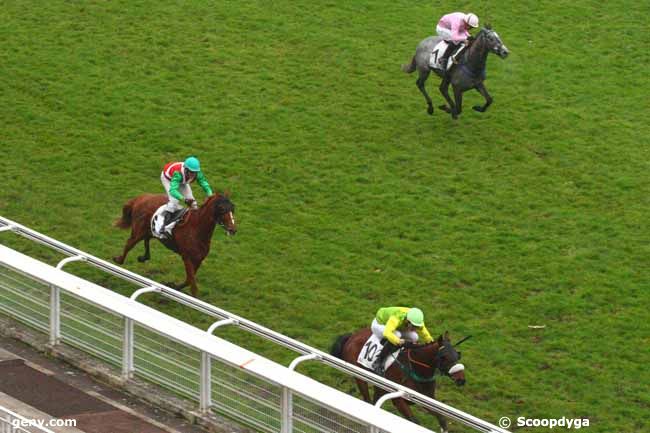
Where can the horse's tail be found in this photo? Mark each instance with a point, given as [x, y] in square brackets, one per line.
[127, 211]
[339, 344]
[408, 68]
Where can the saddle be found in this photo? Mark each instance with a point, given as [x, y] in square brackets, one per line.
[438, 56]
[170, 220]
[370, 352]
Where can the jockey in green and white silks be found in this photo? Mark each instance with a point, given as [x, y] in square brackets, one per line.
[176, 177]
[396, 325]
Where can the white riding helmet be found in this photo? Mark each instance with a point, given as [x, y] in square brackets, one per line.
[471, 19]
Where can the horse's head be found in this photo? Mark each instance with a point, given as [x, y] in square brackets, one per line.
[224, 214]
[493, 42]
[447, 360]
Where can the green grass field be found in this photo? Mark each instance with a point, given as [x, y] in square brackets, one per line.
[349, 196]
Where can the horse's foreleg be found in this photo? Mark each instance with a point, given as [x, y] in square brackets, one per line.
[488, 99]
[147, 254]
[190, 276]
[420, 83]
[401, 405]
[444, 91]
[130, 243]
[444, 428]
[458, 97]
[363, 389]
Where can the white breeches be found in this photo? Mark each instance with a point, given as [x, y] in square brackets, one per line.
[445, 34]
[172, 202]
[378, 331]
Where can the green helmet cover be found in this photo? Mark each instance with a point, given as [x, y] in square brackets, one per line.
[415, 316]
[192, 164]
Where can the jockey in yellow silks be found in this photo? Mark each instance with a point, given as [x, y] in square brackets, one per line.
[396, 325]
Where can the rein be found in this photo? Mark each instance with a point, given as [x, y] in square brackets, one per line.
[410, 372]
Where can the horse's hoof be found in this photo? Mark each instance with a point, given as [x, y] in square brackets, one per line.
[478, 108]
[118, 260]
[142, 259]
[430, 109]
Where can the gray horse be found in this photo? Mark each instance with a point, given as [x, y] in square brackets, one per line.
[469, 73]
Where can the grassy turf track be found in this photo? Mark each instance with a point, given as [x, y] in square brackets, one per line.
[349, 197]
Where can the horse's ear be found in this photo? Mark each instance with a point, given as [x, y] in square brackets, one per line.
[439, 339]
[488, 26]
[446, 335]
[226, 193]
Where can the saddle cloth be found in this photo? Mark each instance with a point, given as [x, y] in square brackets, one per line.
[370, 352]
[170, 221]
[437, 52]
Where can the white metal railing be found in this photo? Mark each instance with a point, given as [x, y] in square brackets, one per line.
[10, 422]
[203, 396]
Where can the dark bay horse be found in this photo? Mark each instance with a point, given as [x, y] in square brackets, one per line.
[191, 237]
[415, 368]
[468, 74]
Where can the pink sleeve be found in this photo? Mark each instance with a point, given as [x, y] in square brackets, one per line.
[458, 30]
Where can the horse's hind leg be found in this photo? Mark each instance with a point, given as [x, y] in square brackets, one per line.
[488, 99]
[130, 243]
[420, 83]
[147, 254]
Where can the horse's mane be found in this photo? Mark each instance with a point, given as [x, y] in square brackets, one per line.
[423, 346]
[216, 197]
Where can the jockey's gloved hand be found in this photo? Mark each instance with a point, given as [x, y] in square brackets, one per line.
[190, 201]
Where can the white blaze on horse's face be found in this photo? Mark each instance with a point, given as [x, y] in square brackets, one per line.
[230, 228]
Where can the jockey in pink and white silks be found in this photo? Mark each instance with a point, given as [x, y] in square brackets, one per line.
[176, 178]
[453, 28]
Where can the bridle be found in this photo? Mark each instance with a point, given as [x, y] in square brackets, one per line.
[221, 212]
[409, 371]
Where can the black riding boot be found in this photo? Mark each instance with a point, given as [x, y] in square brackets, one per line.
[385, 351]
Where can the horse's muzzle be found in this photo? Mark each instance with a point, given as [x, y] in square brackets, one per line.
[503, 52]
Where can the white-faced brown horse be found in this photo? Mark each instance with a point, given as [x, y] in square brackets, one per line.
[191, 237]
[415, 367]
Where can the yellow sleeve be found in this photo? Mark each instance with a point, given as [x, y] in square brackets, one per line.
[423, 334]
[389, 330]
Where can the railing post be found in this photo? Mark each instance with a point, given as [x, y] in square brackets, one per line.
[382, 400]
[206, 369]
[55, 315]
[287, 397]
[127, 350]
[206, 383]
[67, 260]
[143, 290]
[286, 406]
